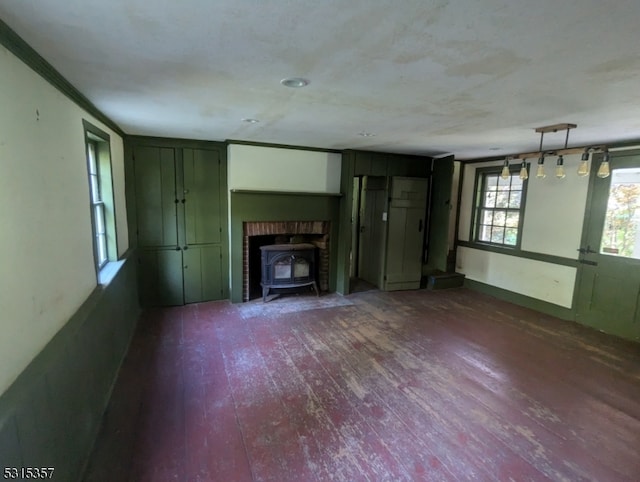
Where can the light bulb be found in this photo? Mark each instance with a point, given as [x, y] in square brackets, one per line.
[524, 175]
[505, 174]
[540, 174]
[603, 170]
[583, 167]
[560, 174]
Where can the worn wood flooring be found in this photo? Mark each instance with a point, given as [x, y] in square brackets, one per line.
[416, 385]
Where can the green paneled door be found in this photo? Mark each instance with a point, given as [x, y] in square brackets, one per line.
[608, 287]
[202, 273]
[201, 203]
[156, 208]
[406, 222]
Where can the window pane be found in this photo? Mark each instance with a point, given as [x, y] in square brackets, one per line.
[516, 182]
[513, 219]
[511, 236]
[91, 154]
[620, 235]
[486, 217]
[95, 189]
[502, 199]
[490, 199]
[484, 233]
[102, 249]
[499, 218]
[99, 218]
[514, 199]
[504, 184]
[491, 182]
[497, 235]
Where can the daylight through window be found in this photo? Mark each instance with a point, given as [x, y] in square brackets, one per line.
[499, 208]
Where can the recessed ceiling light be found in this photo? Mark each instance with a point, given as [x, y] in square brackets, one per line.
[366, 134]
[250, 121]
[294, 82]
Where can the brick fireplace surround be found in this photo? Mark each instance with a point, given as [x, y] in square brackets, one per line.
[320, 229]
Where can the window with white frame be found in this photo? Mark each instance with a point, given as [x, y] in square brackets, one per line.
[101, 195]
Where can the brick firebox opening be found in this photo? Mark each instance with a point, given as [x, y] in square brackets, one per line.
[315, 232]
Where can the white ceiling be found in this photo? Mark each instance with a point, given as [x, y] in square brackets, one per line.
[472, 78]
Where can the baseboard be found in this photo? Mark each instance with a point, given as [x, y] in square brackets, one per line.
[522, 300]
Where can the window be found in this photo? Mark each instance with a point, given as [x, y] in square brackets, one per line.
[101, 195]
[499, 207]
[620, 235]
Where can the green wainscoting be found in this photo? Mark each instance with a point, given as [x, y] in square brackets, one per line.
[249, 206]
[51, 414]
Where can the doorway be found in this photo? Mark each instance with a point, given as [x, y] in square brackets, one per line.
[608, 285]
[370, 232]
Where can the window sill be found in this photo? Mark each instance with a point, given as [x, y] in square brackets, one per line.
[109, 272]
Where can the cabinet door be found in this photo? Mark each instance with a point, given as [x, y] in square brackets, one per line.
[202, 273]
[203, 217]
[155, 184]
[160, 277]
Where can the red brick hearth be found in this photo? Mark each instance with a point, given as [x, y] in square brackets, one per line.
[319, 230]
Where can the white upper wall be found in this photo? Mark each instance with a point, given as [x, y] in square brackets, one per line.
[554, 209]
[276, 169]
[46, 254]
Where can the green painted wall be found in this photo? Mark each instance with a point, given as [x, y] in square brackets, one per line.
[274, 206]
[51, 414]
[439, 215]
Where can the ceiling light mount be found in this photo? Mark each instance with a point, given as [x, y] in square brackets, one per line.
[295, 82]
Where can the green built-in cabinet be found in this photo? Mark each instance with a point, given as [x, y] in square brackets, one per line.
[180, 221]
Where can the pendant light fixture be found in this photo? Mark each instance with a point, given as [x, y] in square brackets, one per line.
[583, 168]
[505, 174]
[540, 174]
[560, 174]
[524, 175]
[603, 170]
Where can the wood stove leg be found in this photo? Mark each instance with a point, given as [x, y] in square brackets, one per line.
[315, 287]
[265, 292]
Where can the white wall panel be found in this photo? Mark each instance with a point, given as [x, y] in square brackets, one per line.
[46, 251]
[554, 212]
[548, 282]
[278, 169]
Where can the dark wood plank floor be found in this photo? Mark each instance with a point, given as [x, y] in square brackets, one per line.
[417, 385]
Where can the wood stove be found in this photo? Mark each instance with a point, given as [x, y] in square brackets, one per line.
[288, 266]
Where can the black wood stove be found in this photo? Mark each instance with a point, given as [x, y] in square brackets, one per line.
[288, 266]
